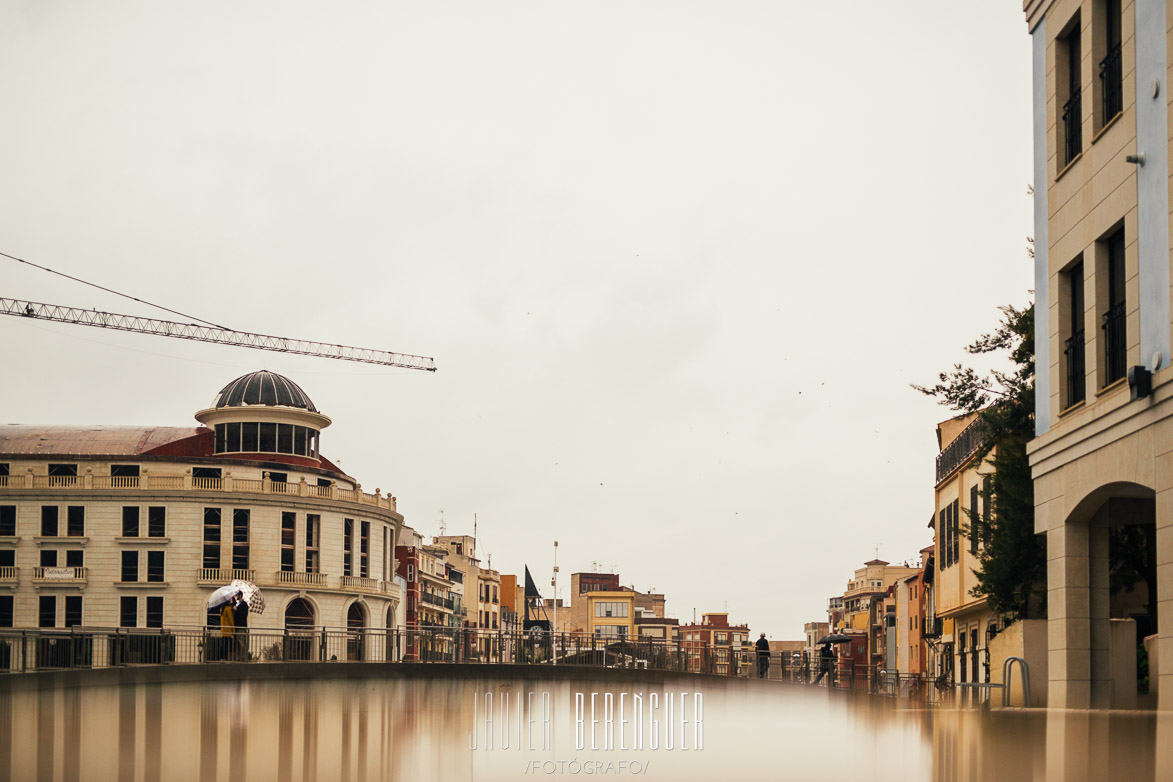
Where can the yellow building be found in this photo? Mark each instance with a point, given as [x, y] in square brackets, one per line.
[864, 603]
[961, 481]
[1104, 400]
[611, 614]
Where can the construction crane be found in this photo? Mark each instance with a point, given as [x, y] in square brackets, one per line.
[220, 336]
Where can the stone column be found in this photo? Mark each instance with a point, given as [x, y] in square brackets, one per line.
[1099, 626]
[1165, 600]
[1069, 617]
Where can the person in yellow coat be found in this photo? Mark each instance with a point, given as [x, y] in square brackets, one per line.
[227, 631]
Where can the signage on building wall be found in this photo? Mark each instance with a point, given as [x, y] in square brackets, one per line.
[59, 573]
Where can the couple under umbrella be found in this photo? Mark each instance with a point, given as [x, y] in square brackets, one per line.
[235, 601]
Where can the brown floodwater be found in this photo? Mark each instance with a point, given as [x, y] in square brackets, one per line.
[440, 728]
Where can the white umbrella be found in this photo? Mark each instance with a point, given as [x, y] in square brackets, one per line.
[248, 592]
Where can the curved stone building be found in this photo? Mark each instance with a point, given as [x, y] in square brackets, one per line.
[119, 526]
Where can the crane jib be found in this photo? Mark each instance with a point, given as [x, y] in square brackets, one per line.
[213, 334]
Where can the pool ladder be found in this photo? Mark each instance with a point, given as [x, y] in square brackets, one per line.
[1007, 669]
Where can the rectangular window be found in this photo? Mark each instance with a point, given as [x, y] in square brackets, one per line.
[1068, 81]
[128, 611]
[157, 521]
[610, 609]
[75, 557]
[973, 516]
[8, 520]
[285, 438]
[48, 557]
[955, 515]
[47, 611]
[206, 473]
[155, 561]
[1115, 333]
[62, 471]
[288, 537]
[221, 438]
[130, 515]
[155, 611]
[6, 603]
[124, 471]
[75, 521]
[279, 477]
[129, 566]
[49, 521]
[364, 550]
[212, 538]
[1111, 65]
[7, 557]
[268, 438]
[248, 437]
[347, 546]
[73, 610]
[299, 440]
[312, 532]
[240, 521]
[232, 437]
[1072, 282]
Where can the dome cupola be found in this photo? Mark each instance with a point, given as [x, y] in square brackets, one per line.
[263, 413]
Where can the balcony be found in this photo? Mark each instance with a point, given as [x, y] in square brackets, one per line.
[58, 575]
[9, 575]
[437, 600]
[156, 483]
[960, 451]
[360, 583]
[932, 628]
[223, 575]
[1075, 369]
[293, 578]
[1115, 342]
[1112, 84]
[1072, 128]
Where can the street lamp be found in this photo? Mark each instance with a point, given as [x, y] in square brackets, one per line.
[554, 622]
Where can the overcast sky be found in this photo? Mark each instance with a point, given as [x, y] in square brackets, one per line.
[677, 262]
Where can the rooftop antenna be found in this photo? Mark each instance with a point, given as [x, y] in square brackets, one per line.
[877, 548]
[443, 526]
[474, 531]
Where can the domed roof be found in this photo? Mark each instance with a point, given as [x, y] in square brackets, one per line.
[263, 388]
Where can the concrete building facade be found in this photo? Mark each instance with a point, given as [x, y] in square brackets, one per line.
[1104, 401]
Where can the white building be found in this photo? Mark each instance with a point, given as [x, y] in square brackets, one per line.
[113, 526]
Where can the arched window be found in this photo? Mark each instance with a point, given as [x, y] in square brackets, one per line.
[299, 614]
[356, 621]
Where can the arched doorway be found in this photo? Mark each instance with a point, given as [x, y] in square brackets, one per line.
[391, 638]
[356, 623]
[299, 630]
[1102, 597]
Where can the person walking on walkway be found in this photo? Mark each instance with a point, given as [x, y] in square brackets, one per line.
[826, 663]
[240, 624]
[227, 631]
[763, 656]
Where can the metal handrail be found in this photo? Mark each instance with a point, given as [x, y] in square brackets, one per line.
[1007, 668]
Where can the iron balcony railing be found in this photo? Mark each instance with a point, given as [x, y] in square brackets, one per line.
[1115, 342]
[28, 650]
[1112, 84]
[1075, 368]
[437, 600]
[1072, 129]
[961, 450]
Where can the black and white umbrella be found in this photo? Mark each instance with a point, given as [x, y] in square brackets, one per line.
[249, 592]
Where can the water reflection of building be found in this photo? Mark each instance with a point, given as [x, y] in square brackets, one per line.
[135, 526]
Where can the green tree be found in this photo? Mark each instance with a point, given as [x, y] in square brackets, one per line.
[1012, 559]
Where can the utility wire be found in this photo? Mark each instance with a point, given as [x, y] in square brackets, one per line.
[116, 293]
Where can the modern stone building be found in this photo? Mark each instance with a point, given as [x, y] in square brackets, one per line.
[1104, 419]
[116, 526]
